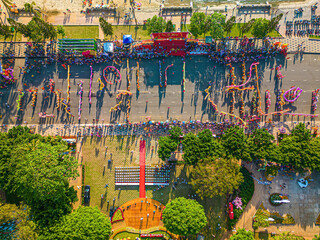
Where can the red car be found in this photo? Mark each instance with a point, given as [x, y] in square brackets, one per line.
[230, 210]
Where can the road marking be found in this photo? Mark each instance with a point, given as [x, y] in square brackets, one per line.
[317, 70]
[304, 80]
[292, 80]
[317, 80]
[304, 70]
[292, 70]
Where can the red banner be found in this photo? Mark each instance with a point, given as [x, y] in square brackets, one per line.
[169, 35]
[151, 235]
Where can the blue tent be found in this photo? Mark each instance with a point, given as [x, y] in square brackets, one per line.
[127, 39]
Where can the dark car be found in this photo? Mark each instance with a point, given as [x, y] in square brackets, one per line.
[86, 193]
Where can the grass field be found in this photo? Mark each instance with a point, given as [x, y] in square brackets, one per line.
[133, 236]
[17, 37]
[81, 32]
[235, 32]
[138, 33]
[98, 174]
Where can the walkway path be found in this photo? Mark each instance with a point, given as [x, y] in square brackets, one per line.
[304, 221]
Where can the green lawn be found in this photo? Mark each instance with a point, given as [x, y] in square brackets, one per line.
[17, 37]
[81, 32]
[314, 36]
[138, 33]
[235, 32]
[120, 146]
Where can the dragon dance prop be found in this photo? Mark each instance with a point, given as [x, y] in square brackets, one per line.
[282, 101]
[19, 100]
[315, 99]
[128, 77]
[69, 87]
[233, 78]
[166, 75]
[90, 87]
[268, 99]
[51, 85]
[66, 106]
[248, 80]
[80, 99]
[294, 93]
[243, 79]
[116, 107]
[123, 93]
[301, 114]
[213, 105]
[34, 96]
[277, 112]
[115, 71]
[234, 116]
[278, 72]
[160, 74]
[101, 84]
[184, 76]
[258, 90]
[128, 110]
[44, 115]
[57, 93]
[138, 81]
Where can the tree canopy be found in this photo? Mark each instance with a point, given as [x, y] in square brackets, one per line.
[198, 24]
[19, 216]
[84, 223]
[33, 168]
[197, 148]
[242, 234]
[156, 24]
[169, 144]
[216, 25]
[184, 216]
[235, 143]
[260, 144]
[169, 26]
[106, 27]
[216, 177]
[287, 236]
[260, 28]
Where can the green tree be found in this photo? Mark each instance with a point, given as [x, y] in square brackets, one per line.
[301, 132]
[184, 216]
[246, 27]
[287, 236]
[29, 7]
[166, 147]
[260, 220]
[196, 148]
[316, 237]
[235, 142]
[84, 223]
[260, 144]
[274, 22]
[26, 228]
[39, 173]
[156, 24]
[198, 24]
[242, 234]
[260, 28]
[175, 133]
[6, 31]
[216, 177]
[216, 24]
[61, 30]
[169, 26]
[106, 27]
[229, 25]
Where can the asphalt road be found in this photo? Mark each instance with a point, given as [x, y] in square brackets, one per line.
[152, 101]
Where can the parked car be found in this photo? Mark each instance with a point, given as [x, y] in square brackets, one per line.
[87, 194]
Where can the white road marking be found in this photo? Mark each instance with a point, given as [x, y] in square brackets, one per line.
[304, 70]
[304, 80]
[292, 70]
[317, 70]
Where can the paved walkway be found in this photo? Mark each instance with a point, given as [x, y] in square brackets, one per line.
[304, 205]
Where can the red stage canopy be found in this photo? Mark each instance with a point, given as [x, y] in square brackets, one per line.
[169, 35]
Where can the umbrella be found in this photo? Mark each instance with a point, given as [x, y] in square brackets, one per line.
[150, 122]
